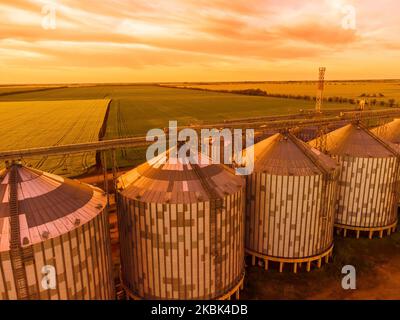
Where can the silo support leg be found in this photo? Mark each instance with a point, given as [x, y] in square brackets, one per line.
[280, 267]
[308, 266]
[358, 234]
[389, 232]
[327, 258]
[381, 234]
[237, 295]
[371, 233]
[103, 156]
[295, 267]
[319, 263]
[344, 233]
[253, 260]
[114, 167]
[266, 265]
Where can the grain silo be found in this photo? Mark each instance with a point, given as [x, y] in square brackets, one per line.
[390, 132]
[367, 197]
[181, 230]
[290, 203]
[54, 238]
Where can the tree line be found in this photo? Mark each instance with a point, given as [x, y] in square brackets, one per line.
[391, 103]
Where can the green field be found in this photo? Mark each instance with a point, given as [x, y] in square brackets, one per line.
[29, 124]
[141, 108]
[11, 90]
[135, 109]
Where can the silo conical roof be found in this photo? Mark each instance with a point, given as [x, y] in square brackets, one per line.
[284, 154]
[354, 140]
[389, 132]
[48, 205]
[159, 181]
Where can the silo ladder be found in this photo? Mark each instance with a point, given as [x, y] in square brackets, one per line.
[16, 252]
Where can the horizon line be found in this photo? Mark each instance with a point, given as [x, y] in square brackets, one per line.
[191, 82]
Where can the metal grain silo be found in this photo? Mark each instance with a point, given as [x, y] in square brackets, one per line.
[390, 132]
[54, 238]
[290, 203]
[367, 197]
[181, 230]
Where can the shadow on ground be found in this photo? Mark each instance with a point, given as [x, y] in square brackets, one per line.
[377, 264]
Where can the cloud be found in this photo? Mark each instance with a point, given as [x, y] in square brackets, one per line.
[318, 33]
[140, 34]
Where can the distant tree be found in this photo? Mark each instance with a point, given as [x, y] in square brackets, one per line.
[250, 92]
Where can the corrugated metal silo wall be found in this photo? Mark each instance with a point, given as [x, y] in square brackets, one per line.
[289, 216]
[367, 194]
[168, 251]
[82, 261]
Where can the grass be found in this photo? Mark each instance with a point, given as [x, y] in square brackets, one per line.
[29, 124]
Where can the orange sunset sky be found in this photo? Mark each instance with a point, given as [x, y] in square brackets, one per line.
[197, 40]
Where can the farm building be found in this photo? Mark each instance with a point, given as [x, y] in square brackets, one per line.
[290, 203]
[181, 230]
[369, 167]
[54, 238]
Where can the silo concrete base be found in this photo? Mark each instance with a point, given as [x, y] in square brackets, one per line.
[343, 229]
[295, 262]
[234, 292]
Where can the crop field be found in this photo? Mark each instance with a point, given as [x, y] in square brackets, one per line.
[135, 109]
[379, 90]
[145, 107]
[30, 124]
[11, 90]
